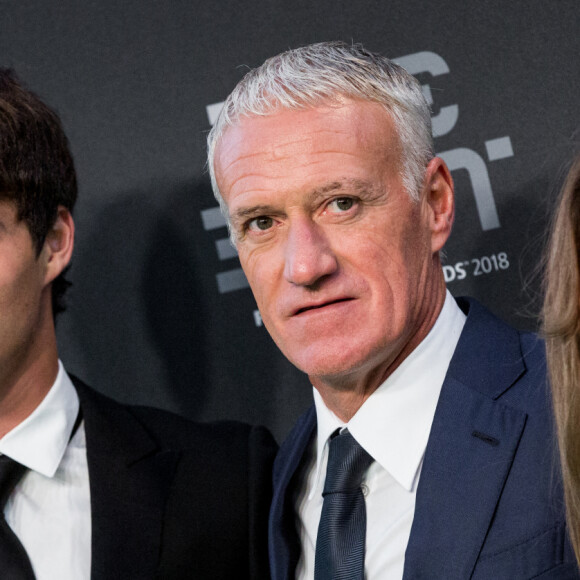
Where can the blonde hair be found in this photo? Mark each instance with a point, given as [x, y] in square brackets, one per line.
[561, 323]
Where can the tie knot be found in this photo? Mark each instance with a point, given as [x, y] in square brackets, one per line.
[10, 473]
[347, 463]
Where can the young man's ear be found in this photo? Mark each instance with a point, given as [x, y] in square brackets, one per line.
[59, 243]
[440, 202]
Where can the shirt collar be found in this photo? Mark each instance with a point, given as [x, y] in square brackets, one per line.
[39, 442]
[401, 410]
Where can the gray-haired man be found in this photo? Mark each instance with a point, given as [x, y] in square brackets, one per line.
[427, 453]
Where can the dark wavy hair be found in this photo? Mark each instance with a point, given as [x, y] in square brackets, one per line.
[37, 172]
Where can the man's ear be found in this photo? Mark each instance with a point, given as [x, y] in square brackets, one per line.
[439, 202]
[59, 243]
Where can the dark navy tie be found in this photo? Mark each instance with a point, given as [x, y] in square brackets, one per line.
[14, 561]
[340, 544]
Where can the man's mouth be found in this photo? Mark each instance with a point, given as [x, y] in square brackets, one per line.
[322, 305]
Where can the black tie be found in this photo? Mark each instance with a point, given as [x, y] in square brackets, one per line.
[14, 562]
[340, 544]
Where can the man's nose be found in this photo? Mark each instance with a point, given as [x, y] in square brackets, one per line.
[309, 256]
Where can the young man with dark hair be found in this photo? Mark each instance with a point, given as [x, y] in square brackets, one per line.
[90, 488]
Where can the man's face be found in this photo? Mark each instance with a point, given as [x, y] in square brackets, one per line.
[22, 288]
[341, 261]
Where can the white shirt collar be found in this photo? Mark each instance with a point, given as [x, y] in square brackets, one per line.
[39, 442]
[400, 412]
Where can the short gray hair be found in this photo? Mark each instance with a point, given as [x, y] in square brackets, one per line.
[328, 71]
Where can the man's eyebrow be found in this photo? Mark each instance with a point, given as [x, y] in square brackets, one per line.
[254, 210]
[350, 184]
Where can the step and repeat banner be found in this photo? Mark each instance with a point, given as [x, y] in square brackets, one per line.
[160, 312]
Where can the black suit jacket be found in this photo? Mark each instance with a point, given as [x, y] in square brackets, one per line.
[174, 499]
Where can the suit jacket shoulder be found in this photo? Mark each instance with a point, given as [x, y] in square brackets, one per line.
[489, 502]
[172, 498]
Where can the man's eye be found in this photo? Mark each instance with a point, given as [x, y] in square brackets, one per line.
[261, 223]
[341, 204]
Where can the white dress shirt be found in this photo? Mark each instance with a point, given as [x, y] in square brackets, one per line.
[50, 509]
[393, 426]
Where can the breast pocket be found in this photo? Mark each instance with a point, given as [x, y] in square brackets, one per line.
[541, 557]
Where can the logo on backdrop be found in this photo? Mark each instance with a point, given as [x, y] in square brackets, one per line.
[459, 159]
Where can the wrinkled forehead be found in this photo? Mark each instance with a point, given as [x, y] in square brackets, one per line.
[304, 150]
[368, 121]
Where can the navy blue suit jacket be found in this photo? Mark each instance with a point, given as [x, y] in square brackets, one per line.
[489, 501]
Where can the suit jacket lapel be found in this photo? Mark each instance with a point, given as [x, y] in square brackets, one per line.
[129, 482]
[284, 544]
[471, 448]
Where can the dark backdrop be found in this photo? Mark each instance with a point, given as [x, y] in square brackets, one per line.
[159, 313]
